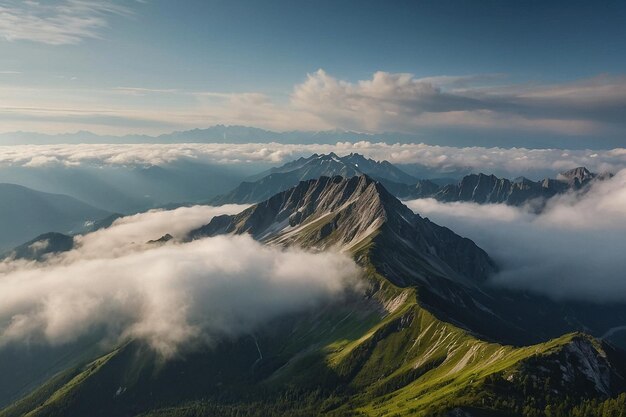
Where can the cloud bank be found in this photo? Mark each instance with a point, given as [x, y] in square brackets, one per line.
[168, 295]
[400, 101]
[501, 161]
[573, 250]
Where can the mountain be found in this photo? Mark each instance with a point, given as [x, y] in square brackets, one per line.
[133, 188]
[47, 243]
[347, 166]
[430, 337]
[478, 188]
[264, 185]
[213, 134]
[25, 213]
[327, 211]
[248, 134]
[481, 188]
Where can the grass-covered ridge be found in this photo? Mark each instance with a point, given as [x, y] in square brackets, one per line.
[384, 357]
[383, 354]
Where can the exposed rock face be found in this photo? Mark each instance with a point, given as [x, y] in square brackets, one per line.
[279, 179]
[477, 188]
[481, 188]
[358, 215]
[355, 212]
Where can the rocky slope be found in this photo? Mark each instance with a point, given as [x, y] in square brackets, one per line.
[349, 213]
[481, 188]
[359, 215]
[275, 180]
[477, 188]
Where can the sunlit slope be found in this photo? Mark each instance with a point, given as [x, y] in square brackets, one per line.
[379, 352]
[348, 361]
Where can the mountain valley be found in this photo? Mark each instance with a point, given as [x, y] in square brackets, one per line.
[427, 335]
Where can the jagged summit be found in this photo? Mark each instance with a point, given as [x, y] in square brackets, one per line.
[482, 188]
[478, 188]
[356, 214]
[577, 177]
[308, 201]
[332, 164]
[275, 180]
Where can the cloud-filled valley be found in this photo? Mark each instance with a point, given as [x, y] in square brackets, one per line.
[115, 283]
[572, 250]
[438, 159]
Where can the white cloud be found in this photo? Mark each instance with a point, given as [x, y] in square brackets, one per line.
[401, 102]
[59, 23]
[391, 102]
[442, 159]
[572, 250]
[168, 295]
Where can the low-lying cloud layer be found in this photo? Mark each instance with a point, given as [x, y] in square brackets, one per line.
[573, 250]
[513, 161]
[168, 294]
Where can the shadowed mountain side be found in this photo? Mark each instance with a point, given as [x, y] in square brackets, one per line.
[25, 213]
[45, 244]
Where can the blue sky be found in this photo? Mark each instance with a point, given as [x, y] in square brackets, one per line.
[512, 69]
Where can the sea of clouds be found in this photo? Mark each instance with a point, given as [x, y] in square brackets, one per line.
[502, 161]
[574, 249]
[116, 283]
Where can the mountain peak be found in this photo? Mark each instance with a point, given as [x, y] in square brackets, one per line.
[280, 217]
[576, 177]
[353, 215]
[581, 173]
[275, 180]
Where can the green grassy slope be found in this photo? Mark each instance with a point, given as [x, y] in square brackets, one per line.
[385, 354]
[357, 359]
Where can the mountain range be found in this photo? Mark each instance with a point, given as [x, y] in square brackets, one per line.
[247, 134]
[25, 213]
[431, 336]
[477, 188]
[132, 188]
[213, 134]
[265, 184]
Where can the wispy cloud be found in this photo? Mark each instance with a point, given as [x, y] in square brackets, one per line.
[399, 101]
[141, 91]
[57, 23]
